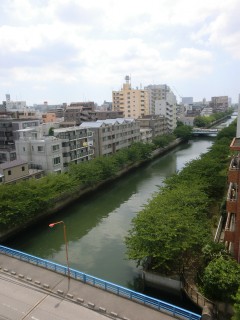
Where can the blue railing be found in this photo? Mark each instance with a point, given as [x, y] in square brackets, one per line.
[105, 285]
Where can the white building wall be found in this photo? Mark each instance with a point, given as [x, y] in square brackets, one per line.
[168, 108]
[40, 152]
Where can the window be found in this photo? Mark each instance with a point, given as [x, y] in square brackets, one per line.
[56, 147]
[56, 161]
[24, 149]
[40, 148]
[9, 172]
[23, 168]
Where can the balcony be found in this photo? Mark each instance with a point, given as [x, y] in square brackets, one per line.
[235, 145]
[234, 170]
[229, 236]
[229, 232]
[232, 198]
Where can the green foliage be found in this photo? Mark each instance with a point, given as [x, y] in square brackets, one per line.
[205, 121]
[167, 231]
[201, 121]
[173, 230]
[163, 141]
[237, 306]
[184, 132]
[86, 174]
[221, 279]
[213, 250]
[23, 201]
[51, 131]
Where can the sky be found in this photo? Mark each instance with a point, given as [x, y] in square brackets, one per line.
[74, 50]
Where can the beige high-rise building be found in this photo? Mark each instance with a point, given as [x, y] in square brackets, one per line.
[134, 103]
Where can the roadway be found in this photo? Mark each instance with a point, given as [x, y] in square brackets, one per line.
[28, 292]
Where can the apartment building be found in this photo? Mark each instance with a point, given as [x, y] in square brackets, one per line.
[157, 124]
[232, 226]
[77, 144]
[79, 112]
[162, 101]
[40, 152]
[111, 135]
[219, 104]
[134, 103]
[9, 134]
[168, 108]
[156, 92]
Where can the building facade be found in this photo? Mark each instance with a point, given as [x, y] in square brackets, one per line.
[219, 104]
[168, 108]
[17, 170]
[111, 135]
[77, 144]
[232, 225]
[79, 112]
[156, 92]
[134, 103]
[162, 101]
[41, 152]
[157, 124]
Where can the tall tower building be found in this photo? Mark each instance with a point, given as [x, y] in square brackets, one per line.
[162, 101]
[132, 102]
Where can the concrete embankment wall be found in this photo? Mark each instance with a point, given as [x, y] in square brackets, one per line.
[157, 281]
[67, 198]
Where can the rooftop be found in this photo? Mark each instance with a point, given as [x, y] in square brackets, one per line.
[12, 164]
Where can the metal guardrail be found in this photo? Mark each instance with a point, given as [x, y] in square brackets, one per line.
[105, 285]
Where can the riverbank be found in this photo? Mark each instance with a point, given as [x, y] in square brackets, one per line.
[68, 198]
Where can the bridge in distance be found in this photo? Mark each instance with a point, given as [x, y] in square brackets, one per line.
[37, 289]
[204, 132]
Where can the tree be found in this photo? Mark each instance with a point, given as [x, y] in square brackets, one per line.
[51, 131]
[167, 232]
[221, 279]
[184, 132]
[237, 306]
[200, 122]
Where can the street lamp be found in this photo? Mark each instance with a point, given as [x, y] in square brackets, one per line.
[51, 225]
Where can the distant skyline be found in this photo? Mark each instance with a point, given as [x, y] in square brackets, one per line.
[74, 50]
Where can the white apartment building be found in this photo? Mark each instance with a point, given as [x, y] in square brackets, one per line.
[156, 92]
[168, 108]
[162, 101]
[54, 153]
[111, 135]
[134, 103]
[41, 152]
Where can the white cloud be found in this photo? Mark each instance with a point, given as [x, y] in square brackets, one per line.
[98, 42]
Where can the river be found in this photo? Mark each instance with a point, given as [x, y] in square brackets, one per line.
[96, 225]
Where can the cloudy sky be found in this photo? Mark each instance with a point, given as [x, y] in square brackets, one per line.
[74, 50]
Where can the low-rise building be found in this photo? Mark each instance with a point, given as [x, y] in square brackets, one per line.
[111, 135]
[17, 170]
[146, 135]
